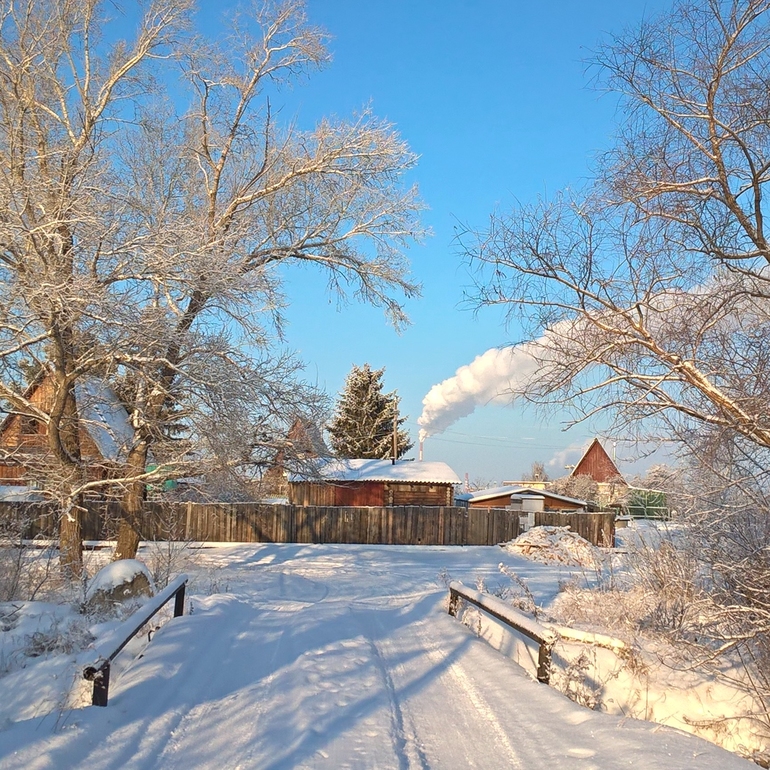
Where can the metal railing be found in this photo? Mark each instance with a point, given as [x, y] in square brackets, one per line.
[98, 670]
[525, 625]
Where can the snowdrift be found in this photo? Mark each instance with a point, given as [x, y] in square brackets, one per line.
[558, 545]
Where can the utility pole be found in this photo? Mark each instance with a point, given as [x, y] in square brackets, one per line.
[395, 431]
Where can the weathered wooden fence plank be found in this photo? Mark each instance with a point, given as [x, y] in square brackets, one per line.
[597, 528]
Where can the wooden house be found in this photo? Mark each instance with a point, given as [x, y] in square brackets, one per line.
[304, 441]
[359, 482]
[104, 432]
[596, 464]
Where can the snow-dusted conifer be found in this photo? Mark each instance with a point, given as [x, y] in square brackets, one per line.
[362, 425]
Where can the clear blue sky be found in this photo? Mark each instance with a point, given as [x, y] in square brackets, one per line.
[496, 100]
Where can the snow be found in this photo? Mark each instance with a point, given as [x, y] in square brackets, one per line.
[577, 502]
[104, 417]
[116, 574]
[18, 494]
[384, 470]
[483, 494]
[556, 544]
[526, 624]
[324, 656]
[112, 642]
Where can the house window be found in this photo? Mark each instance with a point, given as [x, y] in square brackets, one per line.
[29, 426]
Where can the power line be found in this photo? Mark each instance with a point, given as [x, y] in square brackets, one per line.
[509, 443]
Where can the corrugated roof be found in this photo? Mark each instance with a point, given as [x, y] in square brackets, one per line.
[408, 471]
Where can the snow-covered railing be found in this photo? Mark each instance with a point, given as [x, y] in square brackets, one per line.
[511, 617]
[98, 670]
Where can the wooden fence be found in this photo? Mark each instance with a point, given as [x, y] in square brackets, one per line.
[258, 523]
[597, 528]
[262, 523]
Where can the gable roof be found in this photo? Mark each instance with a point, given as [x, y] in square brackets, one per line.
[488, 494]
[406, 471]
[547, 493]
[104, 417]
[597, 464]
[101, 414]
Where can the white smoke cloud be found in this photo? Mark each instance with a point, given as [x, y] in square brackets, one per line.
[496, 376]
[568, 456]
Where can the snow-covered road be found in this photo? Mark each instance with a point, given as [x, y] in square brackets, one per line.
[340, 657]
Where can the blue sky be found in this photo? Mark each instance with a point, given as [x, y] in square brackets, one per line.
[495, 99]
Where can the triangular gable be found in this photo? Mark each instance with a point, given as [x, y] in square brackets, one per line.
[101, 414]
[597, 464]
[29, 392]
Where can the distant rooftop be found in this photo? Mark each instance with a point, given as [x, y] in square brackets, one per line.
[487, 494]
[408, 471]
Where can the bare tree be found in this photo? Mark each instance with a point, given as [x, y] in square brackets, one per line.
[536, 472]
[648, 291]
[648, 295]
[144, 228]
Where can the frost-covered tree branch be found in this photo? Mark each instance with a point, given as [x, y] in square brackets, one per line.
[144, 232]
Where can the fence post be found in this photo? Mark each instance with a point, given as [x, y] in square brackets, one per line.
[179, 602]
[101, 679]
[544, 663]
[454, 599]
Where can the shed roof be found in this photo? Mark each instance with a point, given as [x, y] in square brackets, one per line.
[486, 494]
[407, 471]
[492, 492]
[547, 493]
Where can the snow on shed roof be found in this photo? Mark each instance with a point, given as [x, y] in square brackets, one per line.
[546, 493]
[104, 417]
[408, 471]
[486, 494]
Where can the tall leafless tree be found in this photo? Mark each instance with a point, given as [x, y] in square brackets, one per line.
[648, 292]
[147, 219]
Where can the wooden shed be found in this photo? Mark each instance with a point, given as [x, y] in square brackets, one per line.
[359, 482]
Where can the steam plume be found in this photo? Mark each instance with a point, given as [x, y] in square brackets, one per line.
[496, 376]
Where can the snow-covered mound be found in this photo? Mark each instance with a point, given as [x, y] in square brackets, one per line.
[117, 586]
[555, 545]
[116, 574]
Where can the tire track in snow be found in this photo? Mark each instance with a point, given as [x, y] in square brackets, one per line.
[481, 706]
[402, 742]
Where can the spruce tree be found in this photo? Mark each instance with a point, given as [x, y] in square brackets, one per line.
[362, 426]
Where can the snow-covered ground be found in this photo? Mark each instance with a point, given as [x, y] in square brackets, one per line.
[333, 656]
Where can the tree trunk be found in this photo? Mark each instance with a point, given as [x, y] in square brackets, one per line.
[71, 544]
[67, 447]
[131, 507]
